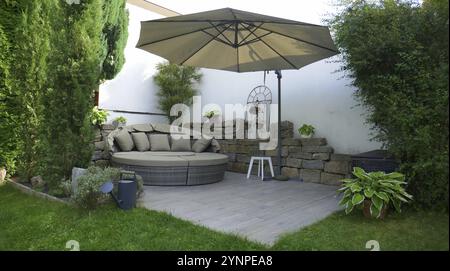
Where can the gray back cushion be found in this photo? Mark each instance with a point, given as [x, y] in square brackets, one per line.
[141, 141]
[181, 144]
[146, 128]
[124, 140]
[159, 142]
[200, 145]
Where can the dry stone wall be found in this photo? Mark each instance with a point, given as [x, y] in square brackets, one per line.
[310, 160]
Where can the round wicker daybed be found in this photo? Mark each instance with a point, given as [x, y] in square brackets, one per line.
[173, 168]
[167, 167]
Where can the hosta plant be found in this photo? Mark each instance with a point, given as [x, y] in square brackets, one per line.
[375, 192]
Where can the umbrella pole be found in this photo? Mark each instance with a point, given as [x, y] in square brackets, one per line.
[278, 73]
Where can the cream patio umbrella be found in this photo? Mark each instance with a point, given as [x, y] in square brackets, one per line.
[238, 41]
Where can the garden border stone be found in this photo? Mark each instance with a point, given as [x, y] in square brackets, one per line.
[27, 190]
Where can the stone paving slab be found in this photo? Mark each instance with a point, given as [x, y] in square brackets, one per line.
[257, 210]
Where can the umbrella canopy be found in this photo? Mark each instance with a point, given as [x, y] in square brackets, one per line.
[235, 40]
[239, 41]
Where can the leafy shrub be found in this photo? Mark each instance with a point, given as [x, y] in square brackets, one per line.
[379, 188]
[98, 116]
[88, 194]
[401, 73]
[66, 188]
[176, 85]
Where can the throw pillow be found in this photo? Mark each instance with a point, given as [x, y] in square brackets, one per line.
[141, 141]
[124, 140]
[181, 144]
[159, 142]
[201, 145]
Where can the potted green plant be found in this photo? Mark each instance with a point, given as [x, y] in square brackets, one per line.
[98, 116]
[306, 131]
[211, 114]
[119, 121]
[374, 192]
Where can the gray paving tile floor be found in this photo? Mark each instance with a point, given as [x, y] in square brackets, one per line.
[257, 210]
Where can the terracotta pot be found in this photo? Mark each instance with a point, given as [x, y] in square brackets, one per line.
[2, 174]
[366, 210]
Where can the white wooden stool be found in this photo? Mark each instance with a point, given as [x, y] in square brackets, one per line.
[260, 166]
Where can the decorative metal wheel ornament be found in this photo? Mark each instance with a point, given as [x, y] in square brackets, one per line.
[260, 95]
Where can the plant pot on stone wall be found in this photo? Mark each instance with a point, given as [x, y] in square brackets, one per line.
[2, 174]
[366, 210]
[306, 136]
[306, 131]
[119, 122]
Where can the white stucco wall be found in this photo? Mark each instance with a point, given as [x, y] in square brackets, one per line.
[133, 88]
[316, 94]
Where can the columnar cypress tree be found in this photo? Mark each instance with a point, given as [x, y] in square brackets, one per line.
[56, 55]
[27, 28]
[115, 31]
[85, 55]
[8, 142]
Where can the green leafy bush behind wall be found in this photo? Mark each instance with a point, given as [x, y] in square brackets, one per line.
[176, 85]
[58, 54]
[396, 53]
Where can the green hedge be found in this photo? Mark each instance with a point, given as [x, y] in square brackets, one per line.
[58, 55]
[396, 53]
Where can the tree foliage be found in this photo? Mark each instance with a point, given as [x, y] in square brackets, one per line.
[58, 55]
[176, 85]
[396, 54]
[8, 143]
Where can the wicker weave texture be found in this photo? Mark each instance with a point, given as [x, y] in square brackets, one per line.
[177, 175]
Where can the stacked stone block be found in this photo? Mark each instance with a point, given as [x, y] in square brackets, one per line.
[310, 160]
[99, 158]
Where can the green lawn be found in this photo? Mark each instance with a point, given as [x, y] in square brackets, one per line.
[30, 223]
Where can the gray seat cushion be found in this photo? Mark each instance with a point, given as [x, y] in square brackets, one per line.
[169, 159]
[172, 153]
[148, 159]
[206, 159]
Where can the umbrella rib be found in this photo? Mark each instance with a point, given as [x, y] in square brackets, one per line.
[301, 40]
[176, 36]
[255, 39]
[217, 39]
[249, 34]
[215, 27]
[203, 46]
[284, 58]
